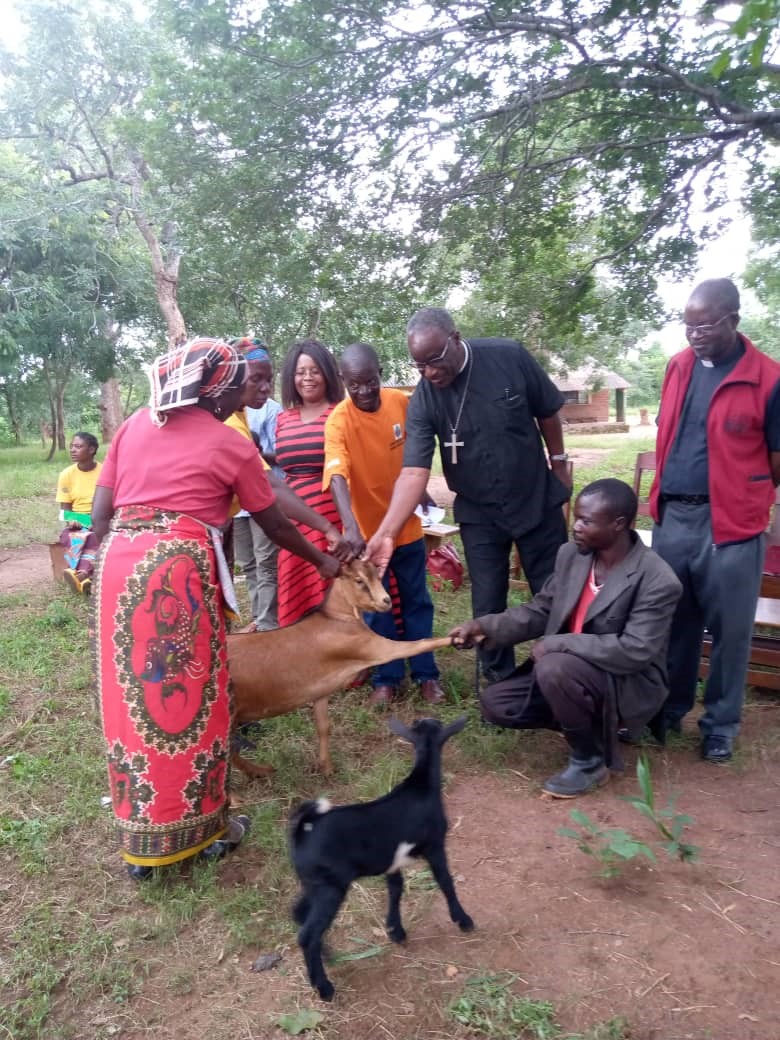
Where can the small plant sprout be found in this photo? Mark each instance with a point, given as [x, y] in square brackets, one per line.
[612, 847]
[667, 821]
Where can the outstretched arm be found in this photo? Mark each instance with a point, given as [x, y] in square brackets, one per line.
[282, 532]
[339, 489]
[293, 506]
[406, 497]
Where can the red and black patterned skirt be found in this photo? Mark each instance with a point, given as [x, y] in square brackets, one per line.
[163, 688]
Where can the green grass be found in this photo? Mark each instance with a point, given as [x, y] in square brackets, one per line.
[488, 1007]
[28, 483]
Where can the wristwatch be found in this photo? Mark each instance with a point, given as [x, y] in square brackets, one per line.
[563, 457]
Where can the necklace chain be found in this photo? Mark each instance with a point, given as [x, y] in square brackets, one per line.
[593, 581]
[469, 348]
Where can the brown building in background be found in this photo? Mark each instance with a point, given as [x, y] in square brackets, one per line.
[588, 396]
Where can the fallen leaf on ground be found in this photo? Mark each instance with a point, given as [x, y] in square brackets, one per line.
[299, 1021]
[451, 971]
[266, 961]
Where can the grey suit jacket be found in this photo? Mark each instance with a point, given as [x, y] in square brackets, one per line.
[625, 631]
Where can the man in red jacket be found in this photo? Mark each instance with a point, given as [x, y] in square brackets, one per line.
[717, 465]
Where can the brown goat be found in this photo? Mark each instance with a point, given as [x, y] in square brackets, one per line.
[274, 672]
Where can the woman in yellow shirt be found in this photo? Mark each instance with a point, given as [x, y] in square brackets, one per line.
[75, 491]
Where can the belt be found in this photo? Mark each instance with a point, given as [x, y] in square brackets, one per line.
[688, 500]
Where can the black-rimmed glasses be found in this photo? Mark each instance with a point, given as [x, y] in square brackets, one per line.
[434, 361]
[704, 330]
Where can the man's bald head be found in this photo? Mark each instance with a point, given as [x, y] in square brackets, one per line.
[711, 320]
[717, 292]
[359, 355]
[362, 375]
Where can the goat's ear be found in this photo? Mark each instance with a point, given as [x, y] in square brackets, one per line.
[453, 728]
[401, 730]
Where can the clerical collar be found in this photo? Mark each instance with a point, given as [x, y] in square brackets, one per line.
[466, 356]
[733, 356]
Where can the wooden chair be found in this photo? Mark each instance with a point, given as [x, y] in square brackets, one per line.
[645, 463]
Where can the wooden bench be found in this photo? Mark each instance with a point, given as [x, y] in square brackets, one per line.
[57, 556]
[764, 664]
[435, 534]
[765, 647]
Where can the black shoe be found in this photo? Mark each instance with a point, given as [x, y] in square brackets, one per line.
[672, 724]
[239, 827]
[579, 776]
[139, 873]
[656, 728]
[716, 748]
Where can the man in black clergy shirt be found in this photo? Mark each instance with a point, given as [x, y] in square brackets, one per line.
[487, 401]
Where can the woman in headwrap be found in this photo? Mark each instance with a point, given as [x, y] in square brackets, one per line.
[166, 487]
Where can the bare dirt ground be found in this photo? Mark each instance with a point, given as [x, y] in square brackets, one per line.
[23, 567]
[680, 951]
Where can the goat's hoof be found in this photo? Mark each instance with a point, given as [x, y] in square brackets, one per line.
[326, 990]
[466, 924]
[396, 935]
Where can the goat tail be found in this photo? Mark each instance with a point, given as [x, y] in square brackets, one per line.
[303, 818]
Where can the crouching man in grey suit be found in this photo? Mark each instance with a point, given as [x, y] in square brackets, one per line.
[602, 623]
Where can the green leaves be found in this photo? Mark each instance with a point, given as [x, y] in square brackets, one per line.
[612, 846]
[299, 1021]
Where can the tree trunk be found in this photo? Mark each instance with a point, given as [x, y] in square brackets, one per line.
[60, 405]
[14, 419]
[111, 411]
[166, 258]
[313, 322]
[53, 446]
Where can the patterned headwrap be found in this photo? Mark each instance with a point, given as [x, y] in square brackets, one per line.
[251, 349]
[201, 367]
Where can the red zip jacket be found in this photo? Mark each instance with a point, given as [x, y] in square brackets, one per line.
[740, 480]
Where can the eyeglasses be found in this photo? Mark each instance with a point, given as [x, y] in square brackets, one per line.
[434, 361]
[704, 330]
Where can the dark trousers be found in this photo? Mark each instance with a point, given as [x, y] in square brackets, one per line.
[720, 589]
[487, 552]
[561, 691]
[408, 565]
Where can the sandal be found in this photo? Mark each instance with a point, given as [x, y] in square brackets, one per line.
[139, 873]
[73, 581]
[237, 829]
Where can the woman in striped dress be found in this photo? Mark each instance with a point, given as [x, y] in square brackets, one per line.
[311, 387]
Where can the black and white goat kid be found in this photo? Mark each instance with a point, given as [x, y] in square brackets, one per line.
[331, 847]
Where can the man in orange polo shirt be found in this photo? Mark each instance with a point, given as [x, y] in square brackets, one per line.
[364, 439]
